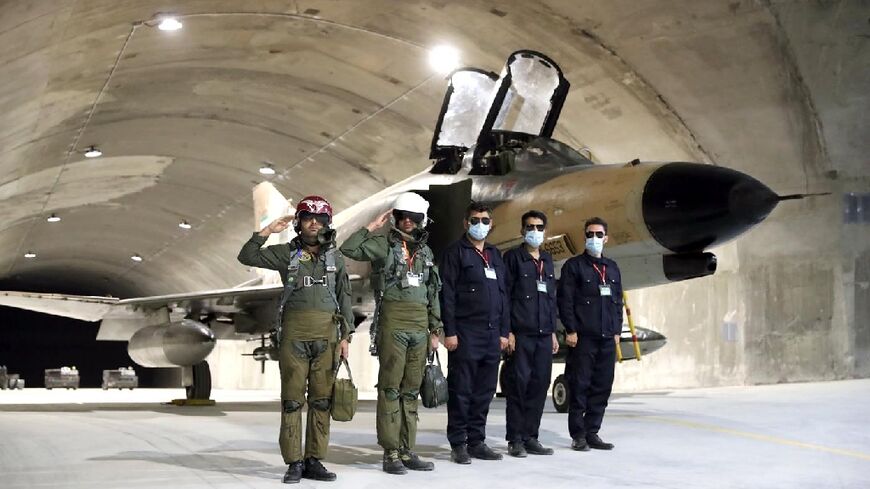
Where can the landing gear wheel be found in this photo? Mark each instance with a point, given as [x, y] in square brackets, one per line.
[201, 387]
[560, 394]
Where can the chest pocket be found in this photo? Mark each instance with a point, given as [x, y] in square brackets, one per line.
[589, 282]
[550, 277]
[615, 289]
[525, 284]
[472, 275]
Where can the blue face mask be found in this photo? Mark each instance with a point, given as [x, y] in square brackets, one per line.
[534, 238]
[478, 231]
[595, 245]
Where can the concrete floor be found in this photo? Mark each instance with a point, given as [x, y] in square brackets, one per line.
[795, 435]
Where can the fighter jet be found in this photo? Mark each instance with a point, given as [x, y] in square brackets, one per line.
[492, 143]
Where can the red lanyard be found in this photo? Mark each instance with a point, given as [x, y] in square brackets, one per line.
[483, 255]
[409, 256]
[539, 264]
[601, 272]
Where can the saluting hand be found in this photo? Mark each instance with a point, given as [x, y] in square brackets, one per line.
[451, 343]
[379, 221]
[276, 226]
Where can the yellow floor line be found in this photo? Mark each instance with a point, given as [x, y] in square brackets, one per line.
[753, 436]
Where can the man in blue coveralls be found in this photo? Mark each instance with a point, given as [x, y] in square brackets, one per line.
[590, 307]
[532, 341]
[475, 313]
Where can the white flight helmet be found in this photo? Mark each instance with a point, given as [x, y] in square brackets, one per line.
[411, 202]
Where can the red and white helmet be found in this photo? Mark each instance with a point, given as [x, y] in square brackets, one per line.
[314, 204]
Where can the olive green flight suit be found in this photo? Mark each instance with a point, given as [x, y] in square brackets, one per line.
[407, 316]
[308, 346]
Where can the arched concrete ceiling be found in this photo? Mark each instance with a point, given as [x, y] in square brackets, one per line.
[338, 95]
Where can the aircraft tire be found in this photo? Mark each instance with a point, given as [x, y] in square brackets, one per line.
[201, 388]
[560, 394]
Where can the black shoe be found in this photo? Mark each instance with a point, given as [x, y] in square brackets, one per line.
[393, 464]
[483, 452]
[516, 449]
[459, 454]
[294, 473]
[413, 462]
[315, 470]
[597, 443]
[534, 447]
[580, 445]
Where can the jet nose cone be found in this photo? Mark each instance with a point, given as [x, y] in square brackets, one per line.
[750, 201]
[689, 207]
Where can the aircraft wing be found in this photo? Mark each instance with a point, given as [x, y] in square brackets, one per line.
[84, 308]
[220, 300]
[121, 318]
[249, 307]
[95, 308]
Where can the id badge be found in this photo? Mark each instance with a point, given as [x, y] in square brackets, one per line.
[412, 280]
[490, 273]
[542, 286]
[605, 290]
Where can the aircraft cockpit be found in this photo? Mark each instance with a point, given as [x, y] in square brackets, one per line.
[494, 124]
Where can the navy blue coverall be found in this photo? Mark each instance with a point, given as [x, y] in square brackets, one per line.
[533, 321]
[596, 319]
[475, 309]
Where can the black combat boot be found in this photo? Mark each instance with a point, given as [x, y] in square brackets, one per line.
[580, 444]
[534, 447]
[413, 462]
[392, 463]
[294, 473]
[516, 449]
[597, 443]
[483, 452]
[315, 470]
[459, 454]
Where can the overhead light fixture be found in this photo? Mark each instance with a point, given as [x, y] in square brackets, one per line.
[169, 24]
[136, 258]
[443, 58]
[53, 218]
[267, 169]
[184, 225]
[30, 254]
[93, 152]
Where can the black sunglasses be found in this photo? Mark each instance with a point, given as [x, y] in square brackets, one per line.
[532, 227]
[597, 234]
[400, 216]
[323, 219]
[478, 220]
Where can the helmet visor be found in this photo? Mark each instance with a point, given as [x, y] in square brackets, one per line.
[400, 216]
[323, 219]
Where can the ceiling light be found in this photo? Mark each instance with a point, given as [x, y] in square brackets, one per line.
[53, 218]
[267, 169]
[136, 258]
[30, 254]
[169, 24]
[444, 59]
[93, 152]
[184, 225]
